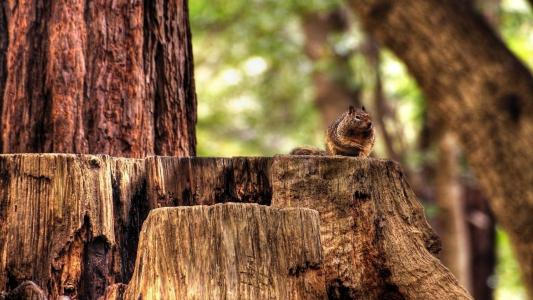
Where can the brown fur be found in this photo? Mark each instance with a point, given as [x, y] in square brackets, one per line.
[351, 134]
[307, 151]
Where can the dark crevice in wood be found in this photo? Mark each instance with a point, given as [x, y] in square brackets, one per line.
[511, 104]
[97, 265]
[26, 290]
[37, 93]
[4, 43]
[71, 253]
[127, 228]
[12, 281]
[338, 291]
[304, 267]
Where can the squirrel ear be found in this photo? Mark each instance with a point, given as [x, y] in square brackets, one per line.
[363, 108]
[351, 109]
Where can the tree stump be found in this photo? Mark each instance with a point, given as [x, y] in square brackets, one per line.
[229, 251]
[62, 217]
[71, 223]
[377, 242]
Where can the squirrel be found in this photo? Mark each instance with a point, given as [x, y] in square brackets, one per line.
[351, 134]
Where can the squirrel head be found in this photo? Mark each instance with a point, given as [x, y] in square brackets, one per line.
[356, 122]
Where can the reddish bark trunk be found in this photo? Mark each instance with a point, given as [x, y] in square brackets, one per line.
[113, 77]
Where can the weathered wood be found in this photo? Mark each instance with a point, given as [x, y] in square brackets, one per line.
[114, 292]
[377, 243]
[71, 223]
[68, 222]
[175, 181]
[27, 290]
[229, 251]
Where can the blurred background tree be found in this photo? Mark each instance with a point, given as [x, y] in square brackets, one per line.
[264, 69]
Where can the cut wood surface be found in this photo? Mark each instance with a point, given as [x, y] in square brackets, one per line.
[229, 251]
[71, 223]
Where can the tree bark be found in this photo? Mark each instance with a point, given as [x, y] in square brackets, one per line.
[70, 223]
[112, 77]
[482, 91]
[332, 71]
[229, 251]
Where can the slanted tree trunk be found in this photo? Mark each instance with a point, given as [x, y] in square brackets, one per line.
[229, 251]
[332, 73]
[393, 139]
[113, 77]
[482, 91]
[70, 223]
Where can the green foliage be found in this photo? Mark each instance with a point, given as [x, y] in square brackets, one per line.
[507, 278]
[253, 79]
[253, 85]
[517, 29]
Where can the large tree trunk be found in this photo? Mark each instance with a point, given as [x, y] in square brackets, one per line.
[113, 77]
[71, 223]
[482, 91]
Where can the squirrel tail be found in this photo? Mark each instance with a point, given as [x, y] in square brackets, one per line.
[307, 151]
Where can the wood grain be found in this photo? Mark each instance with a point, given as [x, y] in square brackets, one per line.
[229, 251]
[175, 181]
[61, 217]
[71, 223]
[377, 242]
